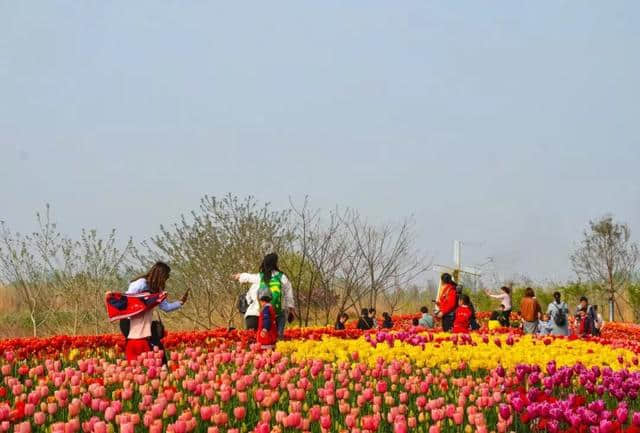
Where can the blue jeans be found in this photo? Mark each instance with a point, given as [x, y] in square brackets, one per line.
[281, 321]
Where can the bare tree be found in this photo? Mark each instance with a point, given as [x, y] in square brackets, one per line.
[388, 254]
[608, 258]
[223, 237]
[22, 266]
[61, 281]
[318, 250]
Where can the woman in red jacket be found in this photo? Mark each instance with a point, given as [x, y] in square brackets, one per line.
[447, 302]
[462, 321]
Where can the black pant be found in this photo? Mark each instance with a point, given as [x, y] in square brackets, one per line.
[251, 322]
[447, 322]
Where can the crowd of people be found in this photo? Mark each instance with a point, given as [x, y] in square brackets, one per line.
[269, 304]
[555, 321]
[457, 313]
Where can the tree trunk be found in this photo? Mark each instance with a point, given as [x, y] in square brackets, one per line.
[34, 324]
[75, 319]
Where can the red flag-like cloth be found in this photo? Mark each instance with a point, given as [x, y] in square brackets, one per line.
[123, 306]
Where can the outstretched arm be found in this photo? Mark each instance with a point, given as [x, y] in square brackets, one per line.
[168, 307]
[245, 277]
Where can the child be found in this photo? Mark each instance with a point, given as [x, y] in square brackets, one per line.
[502, 317]
[426, 321]
[545, 326]
[461, 322]
[372, 318]
[267, 330]
[364, 323]
[387, 323]
[341, 321]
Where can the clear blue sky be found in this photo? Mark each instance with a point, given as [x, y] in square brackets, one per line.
[508, 123]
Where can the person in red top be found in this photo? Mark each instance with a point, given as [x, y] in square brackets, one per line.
[447, 302]
[462, 321]
[267, 330]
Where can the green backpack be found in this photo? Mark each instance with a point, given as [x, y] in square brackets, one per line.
[275, 285]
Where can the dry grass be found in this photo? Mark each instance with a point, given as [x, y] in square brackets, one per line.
[7, 299]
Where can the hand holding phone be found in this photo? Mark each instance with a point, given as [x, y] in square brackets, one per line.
[185, 296]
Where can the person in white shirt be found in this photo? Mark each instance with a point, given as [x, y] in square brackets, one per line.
[282, 301]
[558, 311]
[505, 300]
[599, 322]
[139, 336]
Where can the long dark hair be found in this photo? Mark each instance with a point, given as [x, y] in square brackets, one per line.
[156, 277]
[446, 278]
[268, 266]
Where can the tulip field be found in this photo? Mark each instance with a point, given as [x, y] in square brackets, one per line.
[320, 380]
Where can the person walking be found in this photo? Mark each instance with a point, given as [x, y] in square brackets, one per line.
[139, 337]
[282, 300]
[505, 301]
[530, 311]
[447, 302]
[558, 311]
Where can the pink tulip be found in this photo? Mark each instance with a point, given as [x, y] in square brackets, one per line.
[100, 427]
[325, 422]
[458, 418]
[39, 418]
[400, 427]
[180, 426]
[109, 414]
[29, 409]
[52, 408]
[263, 428]
[239, 412]
[171, 409]
[504, 411]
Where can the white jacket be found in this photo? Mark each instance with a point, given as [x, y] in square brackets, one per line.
[252, 294]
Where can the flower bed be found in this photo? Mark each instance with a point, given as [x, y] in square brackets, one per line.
[320, 380]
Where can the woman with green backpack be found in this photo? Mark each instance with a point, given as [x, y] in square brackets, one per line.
[282, 300]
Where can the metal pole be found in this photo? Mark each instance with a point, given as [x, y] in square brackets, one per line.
[611, 309]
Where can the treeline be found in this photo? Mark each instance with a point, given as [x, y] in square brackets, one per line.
[337, 261]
